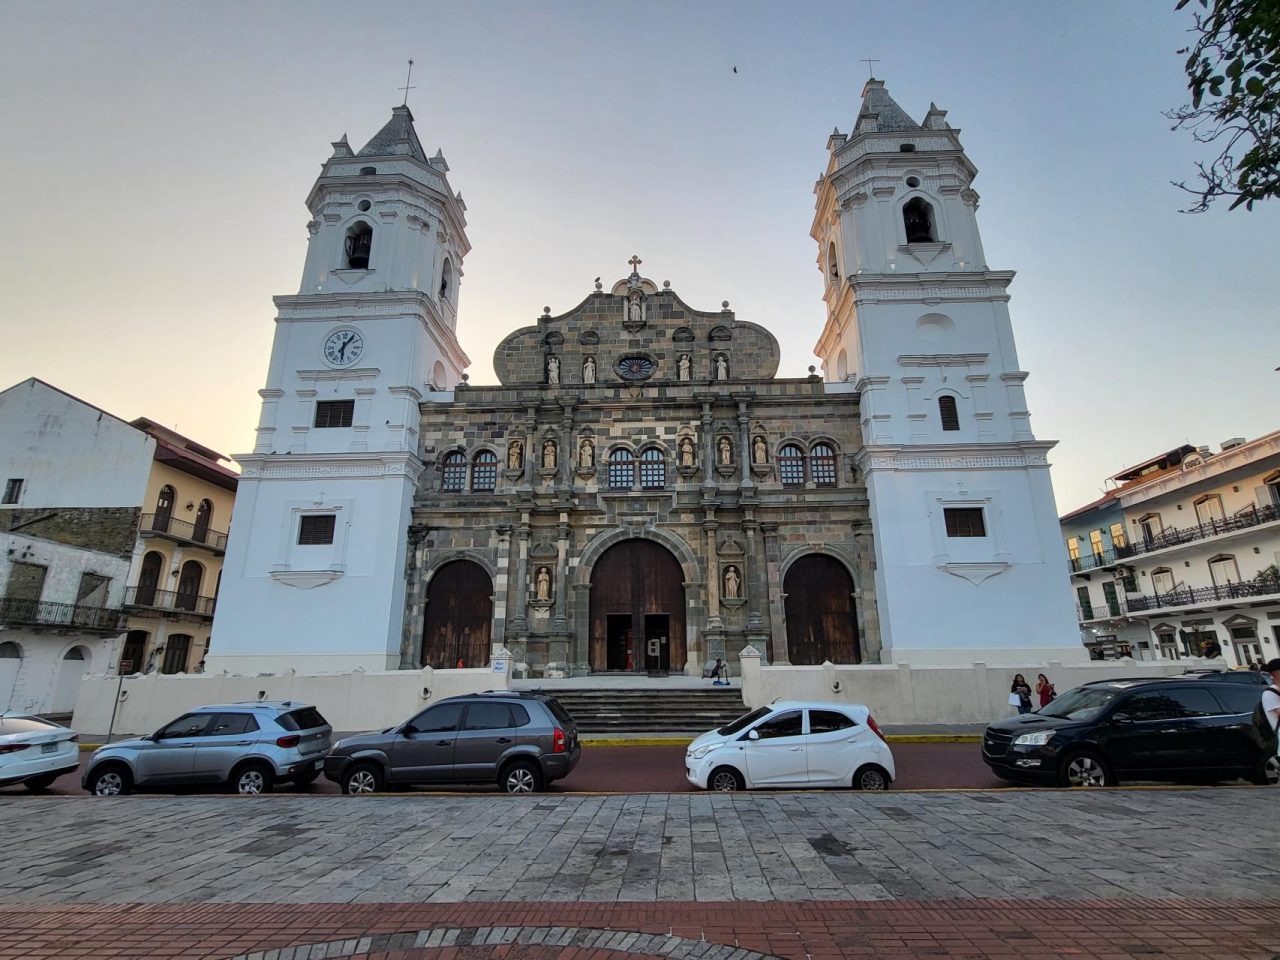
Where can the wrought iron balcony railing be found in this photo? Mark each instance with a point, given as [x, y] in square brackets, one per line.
[167, 525]
[45, 613]
[1182, 596]
[1174, 537]
[177, 600]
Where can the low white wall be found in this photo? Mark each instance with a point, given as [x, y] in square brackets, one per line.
[903, 694]
[352, 701]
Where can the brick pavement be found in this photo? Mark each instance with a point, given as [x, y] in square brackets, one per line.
[808, 876]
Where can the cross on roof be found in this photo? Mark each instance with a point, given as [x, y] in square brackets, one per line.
[870, 63]
[635, 263]
[406, 88]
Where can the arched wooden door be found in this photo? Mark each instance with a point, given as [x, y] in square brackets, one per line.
[637, 609]
[821, 624]
[459, 616]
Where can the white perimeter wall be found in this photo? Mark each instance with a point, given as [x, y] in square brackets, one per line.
[349, 701]
[905, 694]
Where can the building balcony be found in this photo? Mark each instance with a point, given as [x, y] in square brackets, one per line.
[180, 531]
[15, 612]
[155, 600]
[1259, 589]
[1173, 537]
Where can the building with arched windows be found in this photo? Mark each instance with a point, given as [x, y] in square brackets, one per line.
[641, 491]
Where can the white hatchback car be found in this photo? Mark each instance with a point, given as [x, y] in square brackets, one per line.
[36, 752]
[793, 743]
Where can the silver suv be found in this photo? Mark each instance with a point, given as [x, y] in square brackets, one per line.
[247, 746]
[521, 741]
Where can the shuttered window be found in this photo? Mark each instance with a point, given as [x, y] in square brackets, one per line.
[947, 411]
[334, 413]
[965, 522]
[316, 529]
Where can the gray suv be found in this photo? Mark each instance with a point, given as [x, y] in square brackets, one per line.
[521, 741]
[247, 746]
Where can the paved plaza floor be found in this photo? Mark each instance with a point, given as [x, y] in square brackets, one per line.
[803, 876]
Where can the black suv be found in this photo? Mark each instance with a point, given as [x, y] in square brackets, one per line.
[521, 741]
[1174, 728]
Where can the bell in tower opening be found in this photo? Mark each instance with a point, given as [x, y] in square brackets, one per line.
[917, 217]
[358, 245]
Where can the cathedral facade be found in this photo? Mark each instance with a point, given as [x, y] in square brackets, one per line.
[640, 492]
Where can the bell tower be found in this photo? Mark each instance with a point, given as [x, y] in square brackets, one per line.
[968, 554]
[370, 335]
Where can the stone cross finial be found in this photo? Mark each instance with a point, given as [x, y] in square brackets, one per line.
[406, 88]
[870, 65]
[635, 263]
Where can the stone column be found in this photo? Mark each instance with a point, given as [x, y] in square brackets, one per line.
[777, 619]
[560, 621]
[566, 454]
[709, 526]
[708, 442]
[415, 599]
[519, 619]
[753, 577]
[502, 587]
[744, 440]
[532, 455]
[864, 593]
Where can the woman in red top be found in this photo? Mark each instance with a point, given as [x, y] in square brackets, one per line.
[1045, 689]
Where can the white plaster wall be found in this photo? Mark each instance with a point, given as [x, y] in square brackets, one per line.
[349, 701]
[32, 682]
[68, 453]
[906, 694]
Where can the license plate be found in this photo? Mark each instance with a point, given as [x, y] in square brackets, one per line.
[48, 748]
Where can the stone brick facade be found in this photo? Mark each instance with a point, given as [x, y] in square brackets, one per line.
[110, 530]
[714, 424]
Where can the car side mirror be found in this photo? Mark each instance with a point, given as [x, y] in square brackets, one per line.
[408, 728]
[753, 735]
[1122, 718]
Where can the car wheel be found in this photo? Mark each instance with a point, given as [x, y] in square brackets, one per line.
[1267, 771]
[521, 777]
[361, 779]
[42, 782]
[871, 777]
[253, 779]
[111, 781]
[725, 780]
[1084, 770]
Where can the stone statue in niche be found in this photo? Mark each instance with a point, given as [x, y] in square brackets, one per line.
[515, 455]
[589, 370]
[683, 367]
[553, 370]
[722, 368]
[732, 584]
[549, 455]
[542, 584]
[759, 451]
[686, 452]
[635, 312]
[726, 452]
[586, 454]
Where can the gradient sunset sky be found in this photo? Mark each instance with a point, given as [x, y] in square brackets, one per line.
[156, 157]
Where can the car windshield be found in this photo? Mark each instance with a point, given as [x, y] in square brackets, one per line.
[743, 722]
[1082, 703]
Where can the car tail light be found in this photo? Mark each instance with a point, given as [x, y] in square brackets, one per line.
[558, 743]
[874, 728]
[14, 747]
[291, 741]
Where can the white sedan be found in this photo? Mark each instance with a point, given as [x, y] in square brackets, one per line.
[36, 752]
[793, 743]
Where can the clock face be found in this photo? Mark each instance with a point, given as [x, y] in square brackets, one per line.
[343, 348]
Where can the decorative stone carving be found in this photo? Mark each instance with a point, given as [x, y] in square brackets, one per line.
[548, 454]
[732, 583]
[586, 454]
[687, 456]
[759, 450]
[635, 312]
[542, 584]
[553, 370]
[725, 446]
[589, 370]
[515, 455]
[684, 367]
[722, 367]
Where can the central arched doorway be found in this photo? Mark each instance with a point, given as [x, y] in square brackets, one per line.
[459, 616]
[821, 621]
[637, 609]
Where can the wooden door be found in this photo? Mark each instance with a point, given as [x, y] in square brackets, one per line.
[459, 617]
[632, 580]
[820, 616]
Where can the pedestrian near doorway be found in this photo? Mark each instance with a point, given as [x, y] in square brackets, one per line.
[1271, 695]
[718, 674]
[1020, 694]
[1045, 689]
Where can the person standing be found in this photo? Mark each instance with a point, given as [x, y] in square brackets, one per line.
[1045, 689]
[1022, 690]
[1271, 695]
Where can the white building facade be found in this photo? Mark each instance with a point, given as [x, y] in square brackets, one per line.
[1186, 562]
[967, 565]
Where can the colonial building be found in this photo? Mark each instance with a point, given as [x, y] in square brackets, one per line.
[1180, 556]
[640, 491]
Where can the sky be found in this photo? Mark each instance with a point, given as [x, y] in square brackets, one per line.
[156, 158]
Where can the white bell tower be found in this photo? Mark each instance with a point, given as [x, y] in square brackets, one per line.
[311, 580]
[969, 559]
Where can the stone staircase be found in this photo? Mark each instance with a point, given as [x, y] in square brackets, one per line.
[654, 711]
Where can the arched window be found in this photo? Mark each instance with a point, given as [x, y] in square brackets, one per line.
[149, 579]
[1224, 570]
[917, 217]
[653, 469]
[438, 376]
[822, 465]
[189, 586]
[948, 413]
[833, 265]
[484, 472]
[842, 366]
[358, 246]
[164, 509]
[791, 465]
[1162, 580]
[446, 280]
[176, 650]
[622, 469]
[204, 513]
[454, 472]
[10, 651]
